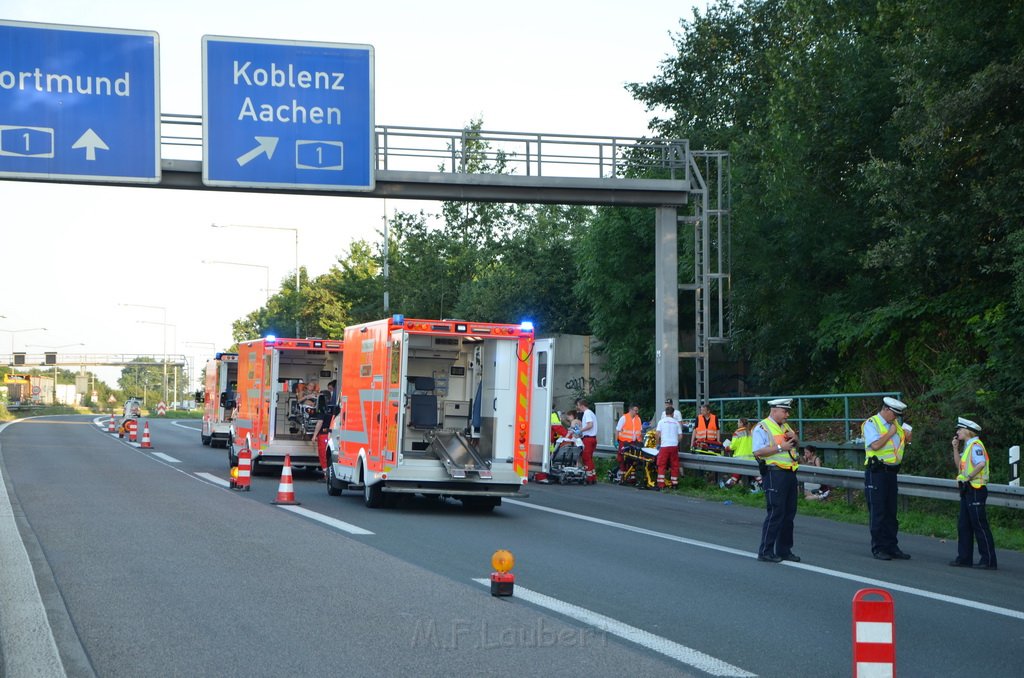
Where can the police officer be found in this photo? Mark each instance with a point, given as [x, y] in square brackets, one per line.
[973, 479]
[885, 441]
[774, 444]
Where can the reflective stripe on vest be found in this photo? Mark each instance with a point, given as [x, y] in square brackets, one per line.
[706, 430]
[967, 463]
[631, 429]
[784, 459]
[892, 451]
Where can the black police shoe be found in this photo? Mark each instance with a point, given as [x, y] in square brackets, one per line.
[791, 557]
[984, 566]
[958, 563]
[770, 559]
[881, 555]
[899, 555]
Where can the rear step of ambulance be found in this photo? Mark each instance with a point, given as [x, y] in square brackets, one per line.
[458, 455]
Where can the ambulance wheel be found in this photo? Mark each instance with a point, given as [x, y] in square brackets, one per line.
[333, 488]
[205, 439]
[373, 495]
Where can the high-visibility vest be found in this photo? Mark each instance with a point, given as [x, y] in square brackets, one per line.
[892, 451]
[967, 463]
[742, 445]
[631, 429]
[783, 459]
[706, 430]
[555, 419]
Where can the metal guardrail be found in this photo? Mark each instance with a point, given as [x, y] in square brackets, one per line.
[431, 149]
[915, 486]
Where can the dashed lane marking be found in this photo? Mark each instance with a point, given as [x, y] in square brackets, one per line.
[214, 479]
[327, 520]
[167, 457]
[669, 648]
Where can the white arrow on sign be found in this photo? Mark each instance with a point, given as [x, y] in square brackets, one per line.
[90, 141]
[264, 145]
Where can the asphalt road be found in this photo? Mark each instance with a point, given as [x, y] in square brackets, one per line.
[147, 569]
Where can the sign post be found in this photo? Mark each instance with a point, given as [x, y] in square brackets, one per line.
[285, 114]
[79, 103]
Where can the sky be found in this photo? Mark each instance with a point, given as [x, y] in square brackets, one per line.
[119, 270]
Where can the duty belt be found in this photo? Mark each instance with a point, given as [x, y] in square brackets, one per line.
[876, 464]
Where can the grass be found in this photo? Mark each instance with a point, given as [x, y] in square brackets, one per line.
[917, 515]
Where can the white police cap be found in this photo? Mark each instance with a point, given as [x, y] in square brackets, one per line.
[896, 406]
[784, 403]
[968, 424]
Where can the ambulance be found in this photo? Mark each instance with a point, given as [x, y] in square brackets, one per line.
[282, 391]
[433, 407]
[220, 399]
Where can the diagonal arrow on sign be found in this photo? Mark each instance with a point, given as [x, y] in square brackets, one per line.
[90, 141]
[264, 145]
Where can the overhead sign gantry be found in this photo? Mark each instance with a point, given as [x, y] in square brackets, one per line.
[79, 103]
[286, 114]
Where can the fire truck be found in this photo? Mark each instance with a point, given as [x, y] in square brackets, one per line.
[433, 407]
[220, 400]
[281, 393]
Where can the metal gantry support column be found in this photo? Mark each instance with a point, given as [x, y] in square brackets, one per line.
[666, 303]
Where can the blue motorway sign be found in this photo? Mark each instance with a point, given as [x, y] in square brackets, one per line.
[79, 103]
[284, 114]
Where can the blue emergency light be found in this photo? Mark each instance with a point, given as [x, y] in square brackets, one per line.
[526, 326]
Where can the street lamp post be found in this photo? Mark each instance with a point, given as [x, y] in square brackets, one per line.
[238, 263]
[174, 344]
[165, 324]
[13, 332]
[277, 228]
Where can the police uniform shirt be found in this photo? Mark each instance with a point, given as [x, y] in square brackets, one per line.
[977, 456]
[871, 432]
[762, 438]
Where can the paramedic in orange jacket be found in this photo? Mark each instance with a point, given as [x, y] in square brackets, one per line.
[629, 431]
[706, 427]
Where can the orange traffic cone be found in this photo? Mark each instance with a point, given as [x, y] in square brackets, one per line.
[241, 474]
[285, 490]
[133, 428]
[146, 442]
[110, 425]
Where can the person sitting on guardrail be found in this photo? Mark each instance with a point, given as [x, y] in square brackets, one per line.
[814, 491]
[972, 478]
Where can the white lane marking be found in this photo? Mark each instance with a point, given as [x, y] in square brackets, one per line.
[25, 636]
[669, 648]
[183, 425]
[167, 457]
[214, 479]
[878, 583]
[327, 520]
